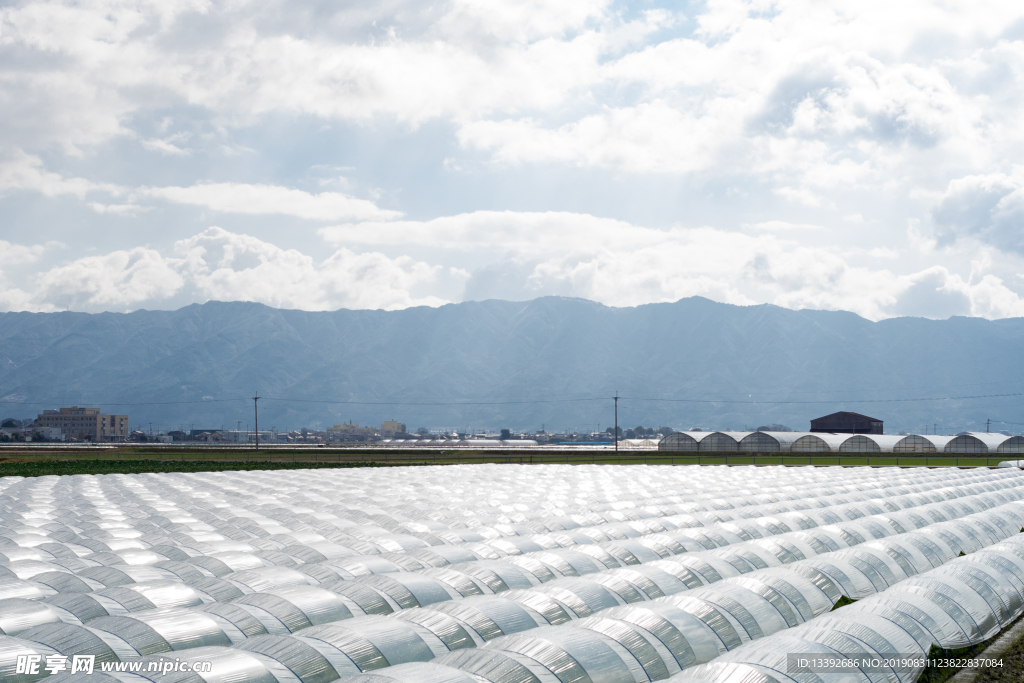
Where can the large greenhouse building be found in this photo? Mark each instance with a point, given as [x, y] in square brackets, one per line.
[808, 442]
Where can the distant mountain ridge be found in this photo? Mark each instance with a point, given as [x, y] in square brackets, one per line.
[514, 364]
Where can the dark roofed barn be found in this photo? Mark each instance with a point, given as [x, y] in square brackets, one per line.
[847, 423]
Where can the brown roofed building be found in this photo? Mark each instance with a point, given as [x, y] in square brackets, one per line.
[847, 423]
[85, 424]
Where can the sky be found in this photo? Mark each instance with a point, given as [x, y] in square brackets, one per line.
[826, 154]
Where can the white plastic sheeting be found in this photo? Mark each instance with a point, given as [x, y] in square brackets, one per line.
[638, 444]
[961, 603]
[499, 573]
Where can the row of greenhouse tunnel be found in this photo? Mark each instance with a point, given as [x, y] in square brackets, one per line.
[499, 573]
[819, 442]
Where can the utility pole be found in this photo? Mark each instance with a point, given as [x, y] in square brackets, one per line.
[616, 421]
[987, 424]
[256, 410]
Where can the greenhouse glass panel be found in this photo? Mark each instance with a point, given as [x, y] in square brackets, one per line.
[680, 441]
[719, 442]
[1015, 444]
[810, 443]
[760, 442]
[914, 444]
[860, 443]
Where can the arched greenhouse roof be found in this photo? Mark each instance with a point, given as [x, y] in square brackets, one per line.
[820, 442]
[878, 443]
[681, 441]
[1015, 444]
[975, 442]
[722, 441]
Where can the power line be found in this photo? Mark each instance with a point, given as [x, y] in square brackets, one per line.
[866, 390]
[431, 403]
[123, 403]
[632, 398]
[868, 400]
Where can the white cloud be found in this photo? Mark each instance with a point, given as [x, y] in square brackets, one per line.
[519, 256]
[990, 297]
[989, 208]
[229, 267]
[98, 64]
[15, 299]
[19, 254]
[165, 147]
[791, 71]
[76, 71]
[815, 92]
[220, 265]
[823, 118]
[120, 279]
[117, 209]
[809, 99]
[26, 173]
[524, 232]
[814, 278]
[775, 226]
[773, 117]
[622, 264]
[937, 293]
[652, 136]
[519, 21]
[271, 199]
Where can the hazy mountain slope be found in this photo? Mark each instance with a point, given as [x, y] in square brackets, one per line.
[549, 349]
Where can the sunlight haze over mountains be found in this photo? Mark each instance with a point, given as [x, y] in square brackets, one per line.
[827, 155]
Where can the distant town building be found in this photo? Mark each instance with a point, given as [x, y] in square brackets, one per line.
[348, 429]
[239, 435]
[349, 432]
[390, 428]
[84, 424]
[53, 434]
[847, 423]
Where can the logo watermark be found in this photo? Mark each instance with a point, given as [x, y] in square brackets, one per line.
[86, 664]
[818, 663]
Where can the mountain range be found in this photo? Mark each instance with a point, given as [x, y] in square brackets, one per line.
[551, 363]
